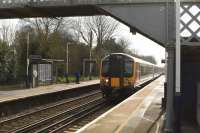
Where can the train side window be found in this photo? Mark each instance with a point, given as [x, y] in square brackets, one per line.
[143, 70]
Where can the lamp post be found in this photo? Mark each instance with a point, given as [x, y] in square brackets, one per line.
[67, 63]
[27, 61]
[90, 71]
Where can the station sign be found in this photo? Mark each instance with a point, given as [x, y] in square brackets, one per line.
[35, 57]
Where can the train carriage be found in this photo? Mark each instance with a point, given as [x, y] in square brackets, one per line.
[120, 73]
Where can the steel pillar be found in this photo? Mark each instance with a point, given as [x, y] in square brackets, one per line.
[169, 125]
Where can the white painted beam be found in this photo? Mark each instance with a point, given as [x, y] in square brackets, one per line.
[178, 49]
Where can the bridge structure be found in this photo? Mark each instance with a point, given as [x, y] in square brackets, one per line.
[164, 21]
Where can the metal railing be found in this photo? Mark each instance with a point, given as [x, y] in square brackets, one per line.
[190, 23]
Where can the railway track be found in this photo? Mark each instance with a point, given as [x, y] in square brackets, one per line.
[56, 122]
[82, 121]
[79, 123]
[40, 116]
[64, 116]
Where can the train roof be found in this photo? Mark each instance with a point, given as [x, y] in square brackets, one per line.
[134, 58]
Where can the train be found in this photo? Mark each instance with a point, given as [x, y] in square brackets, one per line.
[120, 73]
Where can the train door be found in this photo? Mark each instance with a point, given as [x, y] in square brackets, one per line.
[122, 67]
[116, 70]
[135, 72]
[138, 72]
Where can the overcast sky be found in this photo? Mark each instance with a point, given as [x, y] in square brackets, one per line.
[143, 45]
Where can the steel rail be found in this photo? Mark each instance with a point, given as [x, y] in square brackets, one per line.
[71, 119]
[52, 106]
[30, 127]
[93, 110]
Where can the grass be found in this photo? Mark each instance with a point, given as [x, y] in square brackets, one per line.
[73, 79]
[11, 87]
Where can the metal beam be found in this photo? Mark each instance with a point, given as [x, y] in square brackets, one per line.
[151, 20]
[18, 3]
[22, 3]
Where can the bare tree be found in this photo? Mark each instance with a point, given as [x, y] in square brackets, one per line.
[124, 44]
[98, 29]
[7, 33]
[103, 27]
[83, 30]
[45, 26]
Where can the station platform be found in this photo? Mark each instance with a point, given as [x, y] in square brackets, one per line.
[140, 113]
[7, 96]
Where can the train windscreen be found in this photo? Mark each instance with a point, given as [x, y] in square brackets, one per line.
[128, 68]
[117, 67]
[105, 68]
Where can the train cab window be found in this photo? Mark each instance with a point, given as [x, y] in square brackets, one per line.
[128, 68]
[105, 68]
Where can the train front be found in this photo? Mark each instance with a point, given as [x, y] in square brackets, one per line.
[117, 75]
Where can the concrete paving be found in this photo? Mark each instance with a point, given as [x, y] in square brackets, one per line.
[21, 94]
[140, 113]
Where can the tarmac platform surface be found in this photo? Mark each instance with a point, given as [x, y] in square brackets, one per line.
[6, 96]
[140, 113]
